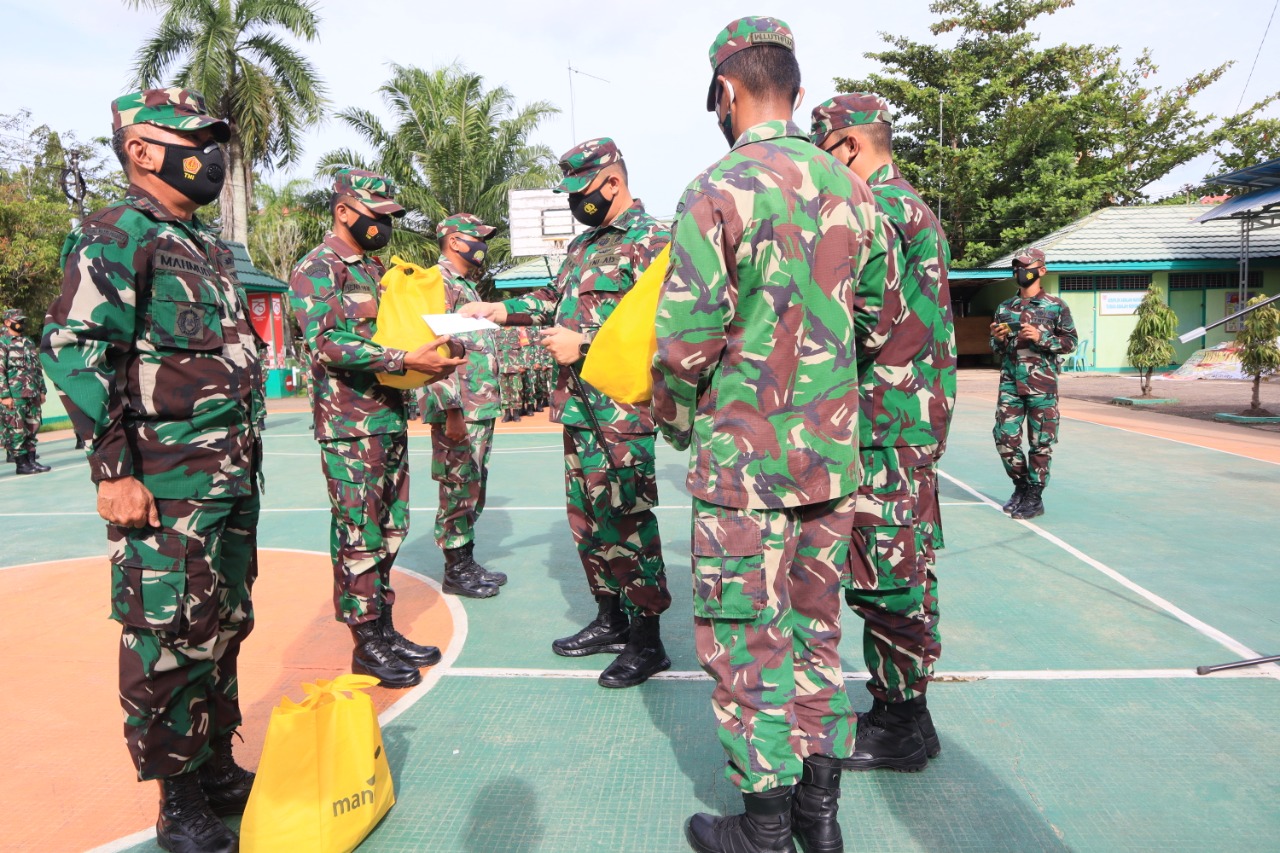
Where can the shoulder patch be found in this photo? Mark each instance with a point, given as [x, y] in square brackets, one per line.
[100, 232]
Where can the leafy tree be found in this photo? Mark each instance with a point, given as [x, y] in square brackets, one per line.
[231, 51]
[1031, 137]
[451, 146]
[1259, 354]
[1150, 344]
[288, 223]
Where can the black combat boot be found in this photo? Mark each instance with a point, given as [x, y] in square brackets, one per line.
[31, 460]
[26, 466]
[817, 799]
[372, 656]
[187, 824]
[888, 737]
[1032, 505]
[226, 784]
[8, 457]
[79, 443]
[642, 657]
[495, 578]
[608, 632]
[462, 576]
[1019, 495]
[401, 646]
[932, 746]
[765, 828]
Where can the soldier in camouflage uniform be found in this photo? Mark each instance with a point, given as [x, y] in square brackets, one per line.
[462, 410]
[509, 377]
[608, 447]
[908, 393]
[22, 393]
[778, 267]
[150, 344]
[360, 423]
[1030, 334]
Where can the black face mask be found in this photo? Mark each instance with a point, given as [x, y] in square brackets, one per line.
[18, 328]
[726, 123]
[475, 253]
[370, 234]
[196, 171]
[590, 208]
[1025, 276]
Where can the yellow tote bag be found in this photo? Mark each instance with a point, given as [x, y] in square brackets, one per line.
[408, 292]
[323, 782]
[622, 351]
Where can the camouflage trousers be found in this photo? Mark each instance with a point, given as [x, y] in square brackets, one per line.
[21, 423]
[510, 387]
[462, 470]
[766, 605]
[368, 480]
[182, 594]
[1040, 411]
[897, 528]
[611, 518]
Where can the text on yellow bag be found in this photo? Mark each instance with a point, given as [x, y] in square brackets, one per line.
[621, 354]
[408, 292]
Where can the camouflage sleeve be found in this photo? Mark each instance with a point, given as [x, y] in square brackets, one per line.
[444, 394]
[317, 302]
[538, 307]
[33, 355]
[697, 303]
[1064, 337]
[87, 336]
[6, 370]
[878, 295]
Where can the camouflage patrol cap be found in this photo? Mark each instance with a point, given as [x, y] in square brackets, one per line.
[747, 32]
[1029, 257]
[373, 190]
[12, 314]
[175, 109]
[464, 223]
[582, 163]
[852, 110]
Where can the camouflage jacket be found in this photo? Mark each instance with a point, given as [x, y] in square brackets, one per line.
[509, 350]
[910, 389]
[601, 266]
[334, 291]
[1032, 368]
[473, 387]
[20, 373]
[778, 267]
[150, 344]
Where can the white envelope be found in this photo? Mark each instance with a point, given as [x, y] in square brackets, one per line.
[456, 324]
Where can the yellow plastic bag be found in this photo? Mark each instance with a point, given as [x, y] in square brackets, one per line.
[622, 351]
[323, 782]
[408, 292]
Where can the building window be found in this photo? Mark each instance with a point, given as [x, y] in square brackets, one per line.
[1212, 280]
[1104, 282]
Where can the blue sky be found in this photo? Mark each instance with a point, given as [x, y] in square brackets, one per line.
[66, 59]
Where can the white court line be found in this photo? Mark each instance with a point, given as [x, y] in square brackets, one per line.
[1164, 604]
[945, 677]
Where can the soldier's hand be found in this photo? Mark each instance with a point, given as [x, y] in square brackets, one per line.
[128, 503]
[494, 312]
[562, 344]
[426, 360]
[999, 331]
[455, 428]
[1029, 333]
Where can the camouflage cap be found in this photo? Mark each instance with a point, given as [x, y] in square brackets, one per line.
[747, 32]
[175, 109]
[12, 314]
[463, 223]
[373, 190]
[582, 163]
[852, 110]
[1029, 257]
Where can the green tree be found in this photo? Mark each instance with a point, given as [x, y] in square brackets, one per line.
[451, 146]
[231, 51]
[1150, 345]
[288, 222]
[1259, 355]
[1031, 137]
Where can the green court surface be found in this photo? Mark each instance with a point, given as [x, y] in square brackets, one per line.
[1070, 714]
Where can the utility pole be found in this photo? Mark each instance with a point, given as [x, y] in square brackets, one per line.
[940, 171]
[573, 120]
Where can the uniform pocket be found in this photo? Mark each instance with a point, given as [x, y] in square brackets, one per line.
[183, 318]
[728, 567]
[451, 461]
[633, 485]
[148, 578]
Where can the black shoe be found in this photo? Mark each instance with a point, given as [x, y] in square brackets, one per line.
[495, 578]
[1033, 505]
[187, 824]
[8, 457]
[888, 737]
[924, 722]
[608, 632]
[31, 460]
[79, 443]
[1019, 494]
[26, 466]
[764, 828]
[225, 783]
[462, 576]
[642, 657]
[817, 800]
[402, 647]
[372, 656]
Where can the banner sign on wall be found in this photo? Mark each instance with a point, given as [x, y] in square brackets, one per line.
[1120, 301]
[267, 316]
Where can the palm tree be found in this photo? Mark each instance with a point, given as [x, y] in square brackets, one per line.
[452, 147]
[231, 52]
[288, 222]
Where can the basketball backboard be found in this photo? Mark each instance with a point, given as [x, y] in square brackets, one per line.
[541, 223]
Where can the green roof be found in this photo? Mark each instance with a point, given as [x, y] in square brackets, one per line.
[253, 279]
[534, 272]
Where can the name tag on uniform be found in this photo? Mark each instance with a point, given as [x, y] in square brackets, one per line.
[180, 263]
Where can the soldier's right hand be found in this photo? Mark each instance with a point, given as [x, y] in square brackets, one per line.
[1000, 331]
[425, 359]
[126, 502]
[7, 402]
[494, 312]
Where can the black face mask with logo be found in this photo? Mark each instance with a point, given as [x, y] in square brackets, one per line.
[590, 208]
[370, 234]
[1026, 276]
[196, 171]
[475, 251]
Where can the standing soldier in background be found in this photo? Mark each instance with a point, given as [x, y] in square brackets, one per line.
[779, 263]
[1031, 332]
[509, 378]
[360, 423]
[21, 394]
[461, 410]
[150, 344]
[905, 407]
[609, 447]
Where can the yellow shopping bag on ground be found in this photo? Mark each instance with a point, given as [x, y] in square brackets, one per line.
[323, 782]
[408, 292]
[622, 351]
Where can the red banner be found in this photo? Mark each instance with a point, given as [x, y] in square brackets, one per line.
[266, 312]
